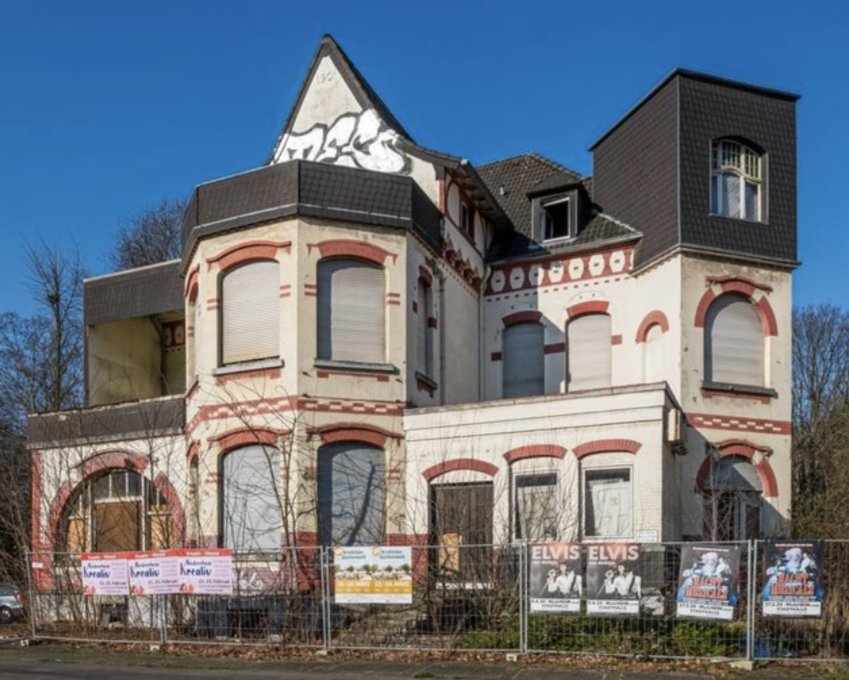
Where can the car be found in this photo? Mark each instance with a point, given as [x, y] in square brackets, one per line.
[11, 605]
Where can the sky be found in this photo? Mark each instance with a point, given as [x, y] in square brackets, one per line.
[107, 107]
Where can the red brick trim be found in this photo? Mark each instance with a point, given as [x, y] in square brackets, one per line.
[554, 348]
[175, 509]
[234, 439]
[764, 309]
[473, 464]
[193, 452]
[616, 339]
[356, 432]
[426, 386]
[425, 275]
[351, 248]
[525, 316]
[589, 307]
[737, 423]
[709, 392]
[744, 449]
[112, 460]
[326, 373]
[496, 356]
[192, 284]
[606, 446]
[535, 451]
[267, 373]
[751, 284]
[249, 251]
[653, 318]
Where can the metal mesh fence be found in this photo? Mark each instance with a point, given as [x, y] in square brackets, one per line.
[464, 597]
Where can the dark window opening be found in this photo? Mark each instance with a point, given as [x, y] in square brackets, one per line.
[555, 219]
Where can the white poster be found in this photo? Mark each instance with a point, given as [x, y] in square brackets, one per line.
[373, 575]
[104, 574]
[152, 573]
[204, 572]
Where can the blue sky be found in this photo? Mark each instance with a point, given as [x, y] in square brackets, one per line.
[107, 107]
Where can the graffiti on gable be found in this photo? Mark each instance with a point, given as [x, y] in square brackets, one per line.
[355, 140]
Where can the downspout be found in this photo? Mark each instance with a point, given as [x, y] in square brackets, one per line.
[487, 272]
[441, 325]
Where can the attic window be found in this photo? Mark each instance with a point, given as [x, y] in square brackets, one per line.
[467, 219]
[554, 217]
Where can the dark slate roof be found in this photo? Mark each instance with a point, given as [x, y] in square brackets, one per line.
[133, 293]
[309, 189]
[518, 176]
[600, 229]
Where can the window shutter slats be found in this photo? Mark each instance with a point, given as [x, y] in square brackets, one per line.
[251, 312]
[351, 311]
[523, 360]
[735, 351]
[589, 352]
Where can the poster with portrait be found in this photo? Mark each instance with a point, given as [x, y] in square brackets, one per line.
[556, 578]
[707, 582]
[792, 586]
[614, 579]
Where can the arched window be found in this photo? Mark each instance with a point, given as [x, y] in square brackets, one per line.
[523, 360]
[351, 311]
[588, 347]
[351, 494]
[250, 312]
[118, 510]
[196, 340]
[736, 182]
[653, 369]
[252, 516]
[732, 495]
[734, 342]
[424, 333]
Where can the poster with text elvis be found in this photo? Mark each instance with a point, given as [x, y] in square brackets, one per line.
[792, 586]
[614, 579]
[556, 578]
[707, 582]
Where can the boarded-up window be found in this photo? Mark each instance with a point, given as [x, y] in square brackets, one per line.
[351, 494]
[733, 493]
[461, 525]
[250, 312]
[351, 311]
[588, 342]
[653, 355]
[523, 360]
[424, 333]
[608, 503]
[734, 342]
[251, 517]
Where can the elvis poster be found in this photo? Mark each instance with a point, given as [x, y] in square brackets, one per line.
[556, 578]
[792, 586]
[614, 579]
[707, 582]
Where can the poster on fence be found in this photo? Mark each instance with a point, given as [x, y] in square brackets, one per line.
[614, 579]
[792, 586]
[152, 573]
[104, 574]
[373, 575]
[707, 582]
[204, 572]
[556, 578]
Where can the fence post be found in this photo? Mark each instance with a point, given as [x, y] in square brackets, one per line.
[523, 592]
[750, 599]
[30, 594]
[324, 571]
[163, 625]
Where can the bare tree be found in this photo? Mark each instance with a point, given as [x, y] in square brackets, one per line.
[820, 421]
[152, 236]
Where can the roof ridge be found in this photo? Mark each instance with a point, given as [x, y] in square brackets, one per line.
[601, 213]
[554, 165]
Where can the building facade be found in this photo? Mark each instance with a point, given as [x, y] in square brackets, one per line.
[368, 342]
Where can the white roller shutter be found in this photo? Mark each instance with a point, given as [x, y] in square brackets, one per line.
[351, 311]
[734, 351]
[589, 352]
[523, 360]
[251, 312]
[653, 355]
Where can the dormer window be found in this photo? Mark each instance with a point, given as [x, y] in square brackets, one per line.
[554, 215]
[736, 182]
[467, 219]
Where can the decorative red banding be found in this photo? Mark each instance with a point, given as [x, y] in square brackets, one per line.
[737, 423]
[111, 460]
[234, 439]
[747, 290]
[606, 446]
[192, 284]
[525, 316]
[266, 373]
[702, 308]
[535, 451]
[193, 452]
[744, 449]
[616, 339]
[175, 508]
[653, 318]
[352, 248]
[425, 275]
[589, 307]
[708, 392]
[459, 464]
[767, 316]
[554, 348]
[357, 432]
[740, 279]
[249, 251]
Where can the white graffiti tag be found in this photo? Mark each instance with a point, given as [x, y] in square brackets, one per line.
[355, 140]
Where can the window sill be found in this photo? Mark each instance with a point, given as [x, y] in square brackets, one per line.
[714, 389]
[245, 366]
[743, 220]
[355, 366]
[426, 384]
